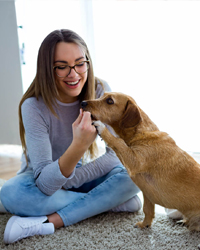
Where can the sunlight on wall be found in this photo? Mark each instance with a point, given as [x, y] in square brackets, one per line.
[147, 49]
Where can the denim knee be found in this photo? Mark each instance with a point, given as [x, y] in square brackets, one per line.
[125, 180]
[117, 169]
[13, 193]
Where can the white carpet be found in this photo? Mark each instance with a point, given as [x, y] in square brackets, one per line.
[113, 231]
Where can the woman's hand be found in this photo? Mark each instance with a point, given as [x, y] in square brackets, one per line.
[84, 133]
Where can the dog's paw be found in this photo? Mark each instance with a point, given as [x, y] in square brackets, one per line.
[99, 126]
[141, 225]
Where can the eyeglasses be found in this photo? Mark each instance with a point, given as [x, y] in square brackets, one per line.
[65, 70]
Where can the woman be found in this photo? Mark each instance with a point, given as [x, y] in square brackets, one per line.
[55, 186]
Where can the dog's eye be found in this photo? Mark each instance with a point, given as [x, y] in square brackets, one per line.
[110, 101]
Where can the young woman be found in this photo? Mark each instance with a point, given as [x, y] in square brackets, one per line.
[55, 186]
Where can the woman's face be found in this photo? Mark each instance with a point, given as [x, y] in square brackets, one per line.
[70, 86]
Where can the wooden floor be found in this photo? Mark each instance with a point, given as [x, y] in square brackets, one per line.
[9, 161]
[8, 167]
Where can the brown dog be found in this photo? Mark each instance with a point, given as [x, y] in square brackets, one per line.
[166, 175]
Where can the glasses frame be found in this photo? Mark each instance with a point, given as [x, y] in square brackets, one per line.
[71, 67]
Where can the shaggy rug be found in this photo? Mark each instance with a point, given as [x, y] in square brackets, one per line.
[113, 231]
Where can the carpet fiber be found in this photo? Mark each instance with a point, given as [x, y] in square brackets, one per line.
[113, 231]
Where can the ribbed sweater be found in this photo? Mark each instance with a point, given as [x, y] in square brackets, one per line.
[48, 137]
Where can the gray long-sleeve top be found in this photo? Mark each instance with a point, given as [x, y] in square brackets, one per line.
[48, 137]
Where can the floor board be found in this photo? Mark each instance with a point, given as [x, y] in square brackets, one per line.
[9, 160]
[9, 167]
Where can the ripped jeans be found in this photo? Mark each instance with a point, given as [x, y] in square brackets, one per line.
[20, 196]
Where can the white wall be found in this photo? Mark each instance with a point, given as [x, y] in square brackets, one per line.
[151, 51]
[10, 74]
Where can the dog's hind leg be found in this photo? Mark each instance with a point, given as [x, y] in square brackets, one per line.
[194, 222]
[149, 211]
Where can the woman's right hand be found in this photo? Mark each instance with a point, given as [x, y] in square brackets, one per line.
[84, 133]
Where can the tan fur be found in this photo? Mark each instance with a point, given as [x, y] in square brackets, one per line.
[166, 174]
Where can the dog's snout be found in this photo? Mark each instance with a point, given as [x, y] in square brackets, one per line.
[83, 104]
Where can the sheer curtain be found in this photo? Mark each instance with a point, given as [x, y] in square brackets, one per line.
[147, 49]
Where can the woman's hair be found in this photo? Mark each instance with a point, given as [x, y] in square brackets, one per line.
[44, 84]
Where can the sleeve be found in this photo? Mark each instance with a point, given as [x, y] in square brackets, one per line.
[46, 171]
[93, 170]
[102, 165]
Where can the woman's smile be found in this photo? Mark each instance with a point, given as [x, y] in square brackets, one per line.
[72, 84]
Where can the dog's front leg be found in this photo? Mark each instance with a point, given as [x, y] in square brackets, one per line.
[149, 211]
[124, 153]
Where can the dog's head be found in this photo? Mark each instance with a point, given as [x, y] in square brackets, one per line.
[114, 109]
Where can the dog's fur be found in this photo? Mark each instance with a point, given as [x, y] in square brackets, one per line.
[166, 174]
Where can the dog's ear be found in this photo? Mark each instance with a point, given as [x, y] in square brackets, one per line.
[131, 116]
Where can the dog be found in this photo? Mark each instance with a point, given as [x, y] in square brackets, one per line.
[165, 174]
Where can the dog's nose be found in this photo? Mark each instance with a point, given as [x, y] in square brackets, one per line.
[84, 104]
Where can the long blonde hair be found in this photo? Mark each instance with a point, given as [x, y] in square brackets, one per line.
[44, 84]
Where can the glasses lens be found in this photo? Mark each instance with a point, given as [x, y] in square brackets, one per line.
[62, 71]
[81, 67]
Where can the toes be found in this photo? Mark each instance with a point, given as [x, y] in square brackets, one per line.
[181, 222]
[99, 126]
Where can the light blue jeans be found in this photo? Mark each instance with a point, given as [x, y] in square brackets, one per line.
[20, 196]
